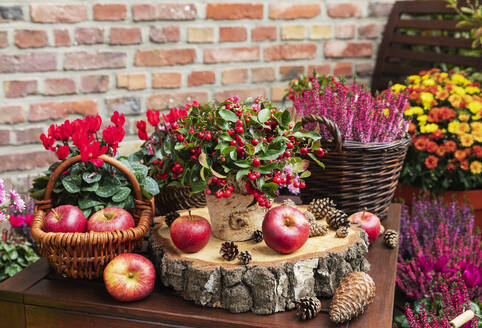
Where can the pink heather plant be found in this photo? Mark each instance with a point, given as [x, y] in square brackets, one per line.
[359, 115]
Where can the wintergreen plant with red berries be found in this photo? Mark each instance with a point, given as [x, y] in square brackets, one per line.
[212, 147]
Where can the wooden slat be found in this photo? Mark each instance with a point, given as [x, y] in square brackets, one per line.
[442, 41]
[424, 7]
[399, 69]
[429, 24]
[12, 315]
[432, 57]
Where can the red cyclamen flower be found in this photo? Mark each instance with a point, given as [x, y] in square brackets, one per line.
[48, 142]
[141, 130]
[63, 152]
[153, 117]
[91, 152]
[113, 135]
[117, 119]
[174, 114]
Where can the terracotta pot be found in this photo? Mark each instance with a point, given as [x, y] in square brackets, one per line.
[232, 219]
[473, 197]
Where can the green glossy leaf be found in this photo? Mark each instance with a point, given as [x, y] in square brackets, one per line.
[243, 164]
[285, 118]
[91, 177]
[310, 134]
[228, 115]
[203, 161]
[241, 174]
[228, 149]
[272, 154]
[198, 186]
[300, 166]
[305, 174]
[264, 115]
[313, 157]
[122, 194]
[270, 188]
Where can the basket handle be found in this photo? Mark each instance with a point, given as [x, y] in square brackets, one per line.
[330, 125]
[112, 161]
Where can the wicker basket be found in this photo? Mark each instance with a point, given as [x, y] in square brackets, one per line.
[175, 198]
[357, 175]
[84, 255]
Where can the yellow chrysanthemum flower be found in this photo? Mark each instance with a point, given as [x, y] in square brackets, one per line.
[464, 117]
[427, 99]
[459, 91]
[476, 167]
[398, 87]
[443, 75]
[428, 82]
[452, 127]
[462, 128]
[422, 118]
[466, 140]
[477, 135]
[459, 79]
[471, 90]
[417, 110]
[414, 79]
[425, 77]
[429, 128]
[476, 126]
[476, 117]
[455, 100]
[475, 107]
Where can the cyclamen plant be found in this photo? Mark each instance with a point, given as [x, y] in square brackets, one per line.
[359, 115]
[214, 146]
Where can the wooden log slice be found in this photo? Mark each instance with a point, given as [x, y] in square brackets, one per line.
[271, 283]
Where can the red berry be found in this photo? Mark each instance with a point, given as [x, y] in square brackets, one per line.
[255, 141]
[223, 159]
[207, 191]
[227, 193]
[296, 184]
[248, 120]
[193, 157]
[201, 135]
[180, 137]
[219, 194]
[233, 143]
[263, 138]
[320, 152]
[251, 176]
[231, 132]
[239, 123]
[239, 130]
[239, 149]
[191, 131]
[257, 174]
[256, 162]
[302, 184]
[303, 151]
[287, 154]
[175, 126]
[290, 126]
[228, 106]
[208, 136]
[289, 145]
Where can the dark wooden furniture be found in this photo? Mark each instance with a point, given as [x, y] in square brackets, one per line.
[36, 298]
[404, 52]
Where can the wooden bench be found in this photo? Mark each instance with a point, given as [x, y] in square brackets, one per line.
[414, 41]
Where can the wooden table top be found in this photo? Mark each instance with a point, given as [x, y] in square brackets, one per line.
[37, 298]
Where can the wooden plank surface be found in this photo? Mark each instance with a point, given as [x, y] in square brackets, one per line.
[57, 301]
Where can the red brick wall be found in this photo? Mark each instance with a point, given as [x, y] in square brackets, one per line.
[71, 58]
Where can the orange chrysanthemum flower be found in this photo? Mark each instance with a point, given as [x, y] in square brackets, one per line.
[451, 167]
[437, 134]
[432, 147]
[411, 128]
[464, 165]
[477, 150]
[450, 146]
[431, 162]
[440, 152]
[460, 155]
[442, 94]
[420, 144]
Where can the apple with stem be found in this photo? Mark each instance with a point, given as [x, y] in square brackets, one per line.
[285, 229]
[129, 277]
[110, 219]
[369, 222]
[65, 218]
[190, 233]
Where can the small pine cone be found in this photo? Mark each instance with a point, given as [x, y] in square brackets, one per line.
[342, 232]
[258, 236]
[229, 250]
[321, 207]
[307, 308]
[317, 229]
[337, 218]
[309, 216]
[289, 202]
[390, 238]
[355, 292]
[245, 257]
[170, 217]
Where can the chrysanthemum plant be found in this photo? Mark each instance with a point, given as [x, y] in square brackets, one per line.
[212, 146]
[91, 184]
[445, 111]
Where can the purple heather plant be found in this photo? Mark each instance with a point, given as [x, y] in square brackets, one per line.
[359, 115]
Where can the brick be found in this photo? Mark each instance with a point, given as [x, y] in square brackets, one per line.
[4, 137]
[320, 32]
[368, 31]
[200, 34]
[131, 81]
[124, 105]
[165, 34]
[59, 110]
[164, 11]
[379, 9]
[294, 10]
[31, 39]
[164, 57]
[3, 39]
[232, 34]
[27, 136]
[292, 32]
[264, 33]
[57, 13]
[94, 83]
[28, 62]
[16, 89]
[241, 93]
[344, 9]
[120, 35]
[233, 11]
[198, 78]
[226, 55]
[110, 11]
[11, 13]
[345, 31]
[292, 51]
[338, 49]
[234, 76]
[83, 60]
[322, 69]
[17, 161]
[364, 68]
[61, 38]
[343, 69]
[11, 114]
[59, 86]
[169, 100]
[262, 74]
[89, 35]
[170, 80]
[290, 72]
[278, 92]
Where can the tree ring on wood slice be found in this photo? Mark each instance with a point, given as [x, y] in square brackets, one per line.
[270, 283]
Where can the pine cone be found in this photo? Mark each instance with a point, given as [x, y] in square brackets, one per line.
[321, 207]
[352, 297]
[317, 229]
[342, 232]
[229, 250]
[390, 238]
[289, 202]
[307, 308]
[258, 236]
[170, 217]
[245, 257]
[309, 216]
[337, 218]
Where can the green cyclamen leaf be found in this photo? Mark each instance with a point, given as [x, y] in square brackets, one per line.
[122, 194]
[106, 190]
[70, 186]
[92, 187]
[85, 203]
[139, 168]
[91, 177]
[151, 186]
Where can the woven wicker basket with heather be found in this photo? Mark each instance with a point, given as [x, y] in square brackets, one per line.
[248, 149]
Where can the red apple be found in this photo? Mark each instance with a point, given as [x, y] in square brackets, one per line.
[285, 229]
[369, 222]
[110, 219]
[190, 233]
[129, 277]
[65, 218]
